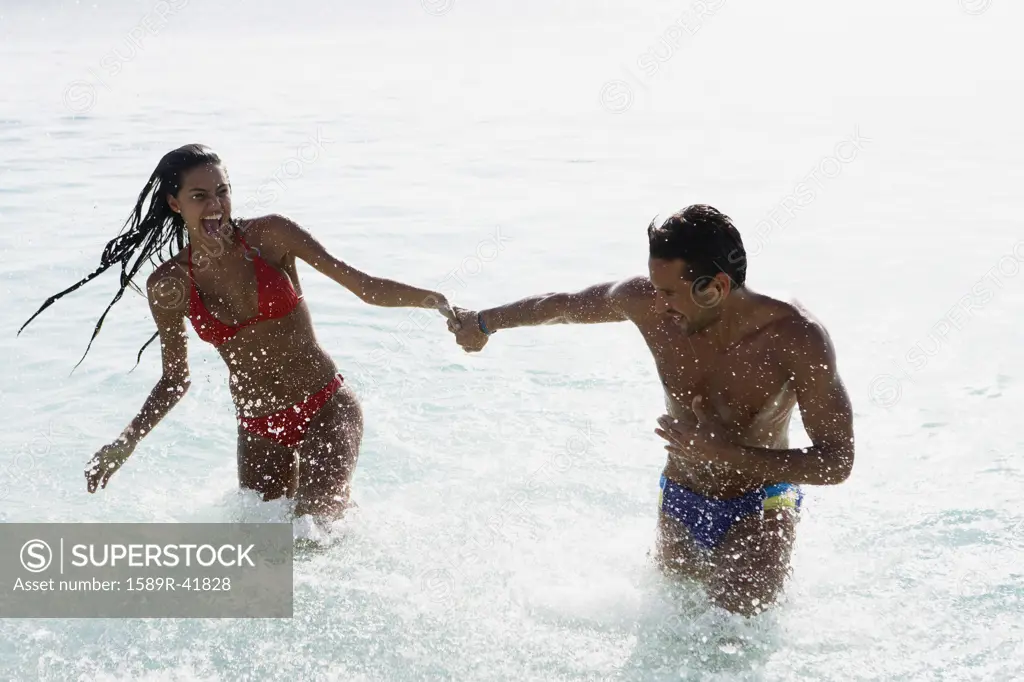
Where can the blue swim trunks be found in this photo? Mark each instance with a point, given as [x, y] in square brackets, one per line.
[709, 519]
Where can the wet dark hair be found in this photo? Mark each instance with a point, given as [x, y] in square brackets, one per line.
[143, 237]
[705, 239]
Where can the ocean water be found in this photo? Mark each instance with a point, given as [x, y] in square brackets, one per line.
[507, 499]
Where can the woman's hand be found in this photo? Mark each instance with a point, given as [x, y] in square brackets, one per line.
[445, 308]
[105, 462]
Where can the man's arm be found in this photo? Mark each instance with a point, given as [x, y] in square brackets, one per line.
[606, 302]
[827, 417]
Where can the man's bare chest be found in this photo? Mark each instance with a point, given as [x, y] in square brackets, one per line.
[746, 384]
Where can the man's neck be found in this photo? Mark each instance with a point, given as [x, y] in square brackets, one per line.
[736, 311]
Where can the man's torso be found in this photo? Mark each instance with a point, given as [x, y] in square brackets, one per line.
[744, 384]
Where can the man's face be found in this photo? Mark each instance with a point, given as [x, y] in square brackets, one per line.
[692, 304]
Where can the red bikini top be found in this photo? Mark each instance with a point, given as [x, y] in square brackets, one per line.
[277, 298]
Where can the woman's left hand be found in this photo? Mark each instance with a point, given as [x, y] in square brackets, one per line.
[445, 308]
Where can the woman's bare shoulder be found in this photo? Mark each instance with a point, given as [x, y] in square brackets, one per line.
[168, 286]
[176, 266]
[264, 225]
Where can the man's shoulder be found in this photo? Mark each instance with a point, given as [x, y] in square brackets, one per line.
[802, 331]
[633, 295]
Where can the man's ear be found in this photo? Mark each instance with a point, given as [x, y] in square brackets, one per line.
[725, 283]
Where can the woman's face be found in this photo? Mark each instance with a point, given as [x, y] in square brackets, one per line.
[204, 201]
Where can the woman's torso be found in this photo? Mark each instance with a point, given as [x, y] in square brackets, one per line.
[274, 362]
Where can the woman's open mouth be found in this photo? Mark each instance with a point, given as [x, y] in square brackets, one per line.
[212, 224]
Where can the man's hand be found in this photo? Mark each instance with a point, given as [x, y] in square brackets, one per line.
[467, 330]
[695, 446]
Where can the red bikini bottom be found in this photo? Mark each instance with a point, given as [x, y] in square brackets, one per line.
[288, 427]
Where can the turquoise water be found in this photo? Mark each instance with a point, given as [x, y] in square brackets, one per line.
[507, 499]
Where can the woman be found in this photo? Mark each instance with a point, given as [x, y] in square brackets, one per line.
[299, 425]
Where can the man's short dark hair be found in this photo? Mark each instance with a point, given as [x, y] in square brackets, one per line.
[705, 239]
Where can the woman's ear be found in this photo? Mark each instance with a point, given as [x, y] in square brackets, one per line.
[173, 203]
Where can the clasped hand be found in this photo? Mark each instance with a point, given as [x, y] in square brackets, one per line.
[464, 325]
[467, 330]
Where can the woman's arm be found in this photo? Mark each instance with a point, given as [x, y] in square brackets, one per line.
[167, 305]
[373, 290]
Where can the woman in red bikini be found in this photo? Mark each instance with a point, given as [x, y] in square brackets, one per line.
[299, 425]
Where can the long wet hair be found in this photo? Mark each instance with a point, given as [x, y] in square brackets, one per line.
[142, 238]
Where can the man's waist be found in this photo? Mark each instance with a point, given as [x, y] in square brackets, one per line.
[716, 490]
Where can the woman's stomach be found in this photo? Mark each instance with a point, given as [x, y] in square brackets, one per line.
[274, 367]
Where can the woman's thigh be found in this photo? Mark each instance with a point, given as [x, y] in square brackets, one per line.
[267, 467]
[328, 455]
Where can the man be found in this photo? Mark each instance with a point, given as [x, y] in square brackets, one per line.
[733, 364]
